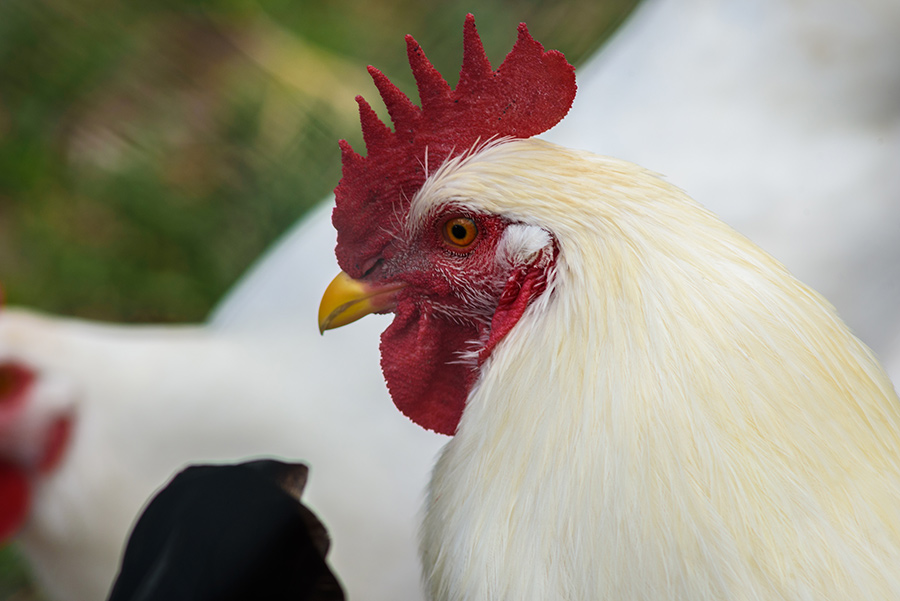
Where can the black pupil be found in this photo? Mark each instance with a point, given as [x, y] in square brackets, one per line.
[458, 231]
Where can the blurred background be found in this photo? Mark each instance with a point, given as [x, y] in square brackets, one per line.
[150, 151]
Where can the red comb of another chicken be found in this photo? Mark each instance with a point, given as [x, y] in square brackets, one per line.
[528, 94]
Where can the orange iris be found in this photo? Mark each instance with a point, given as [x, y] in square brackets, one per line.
[459, 233]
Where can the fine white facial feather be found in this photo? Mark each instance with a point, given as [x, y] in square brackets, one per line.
[520, 244]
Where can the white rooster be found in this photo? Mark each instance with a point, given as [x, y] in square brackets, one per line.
[637, 100]
[645, 405]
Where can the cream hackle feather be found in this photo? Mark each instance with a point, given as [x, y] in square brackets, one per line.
[676, 417]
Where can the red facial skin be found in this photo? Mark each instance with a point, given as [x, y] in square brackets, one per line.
[456, 306]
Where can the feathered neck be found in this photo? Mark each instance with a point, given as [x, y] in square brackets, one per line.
[672, 382]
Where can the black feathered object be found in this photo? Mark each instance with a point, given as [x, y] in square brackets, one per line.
[228, 533]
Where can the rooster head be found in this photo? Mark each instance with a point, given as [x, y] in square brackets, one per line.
[458, 278]
[34, 435]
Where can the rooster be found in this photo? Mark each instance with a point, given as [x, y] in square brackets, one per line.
[651, 96]
[643, 403]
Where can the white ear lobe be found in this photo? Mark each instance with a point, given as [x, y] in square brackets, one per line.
[521, 244]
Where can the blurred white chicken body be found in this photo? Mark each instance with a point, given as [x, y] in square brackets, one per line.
[258, 380]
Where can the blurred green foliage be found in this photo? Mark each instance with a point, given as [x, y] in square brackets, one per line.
[14, 583]
[150, 151]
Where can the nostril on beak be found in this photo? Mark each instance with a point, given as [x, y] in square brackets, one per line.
[15, 380]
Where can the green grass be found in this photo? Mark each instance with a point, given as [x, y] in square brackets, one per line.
[150, 151]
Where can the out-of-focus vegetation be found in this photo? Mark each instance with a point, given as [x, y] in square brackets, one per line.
[150, 151]
[14, 583]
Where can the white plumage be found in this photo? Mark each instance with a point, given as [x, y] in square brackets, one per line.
[798, 101]
[676, 417]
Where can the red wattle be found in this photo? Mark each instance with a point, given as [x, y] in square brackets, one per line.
[15, 499]
[420, 353]
[420, 361]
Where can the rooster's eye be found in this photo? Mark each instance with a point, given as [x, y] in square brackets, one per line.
[459, 233]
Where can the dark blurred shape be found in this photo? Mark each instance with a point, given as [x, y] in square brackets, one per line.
[228, 532]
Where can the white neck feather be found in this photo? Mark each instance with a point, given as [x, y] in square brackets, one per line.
[675, 418]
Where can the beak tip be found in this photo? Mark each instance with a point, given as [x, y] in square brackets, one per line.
[345, 300]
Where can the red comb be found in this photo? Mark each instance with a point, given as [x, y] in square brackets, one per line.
[528, 94]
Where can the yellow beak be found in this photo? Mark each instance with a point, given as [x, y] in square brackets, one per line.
[346, 300]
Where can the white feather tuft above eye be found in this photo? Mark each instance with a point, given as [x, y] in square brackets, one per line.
[522, 243]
